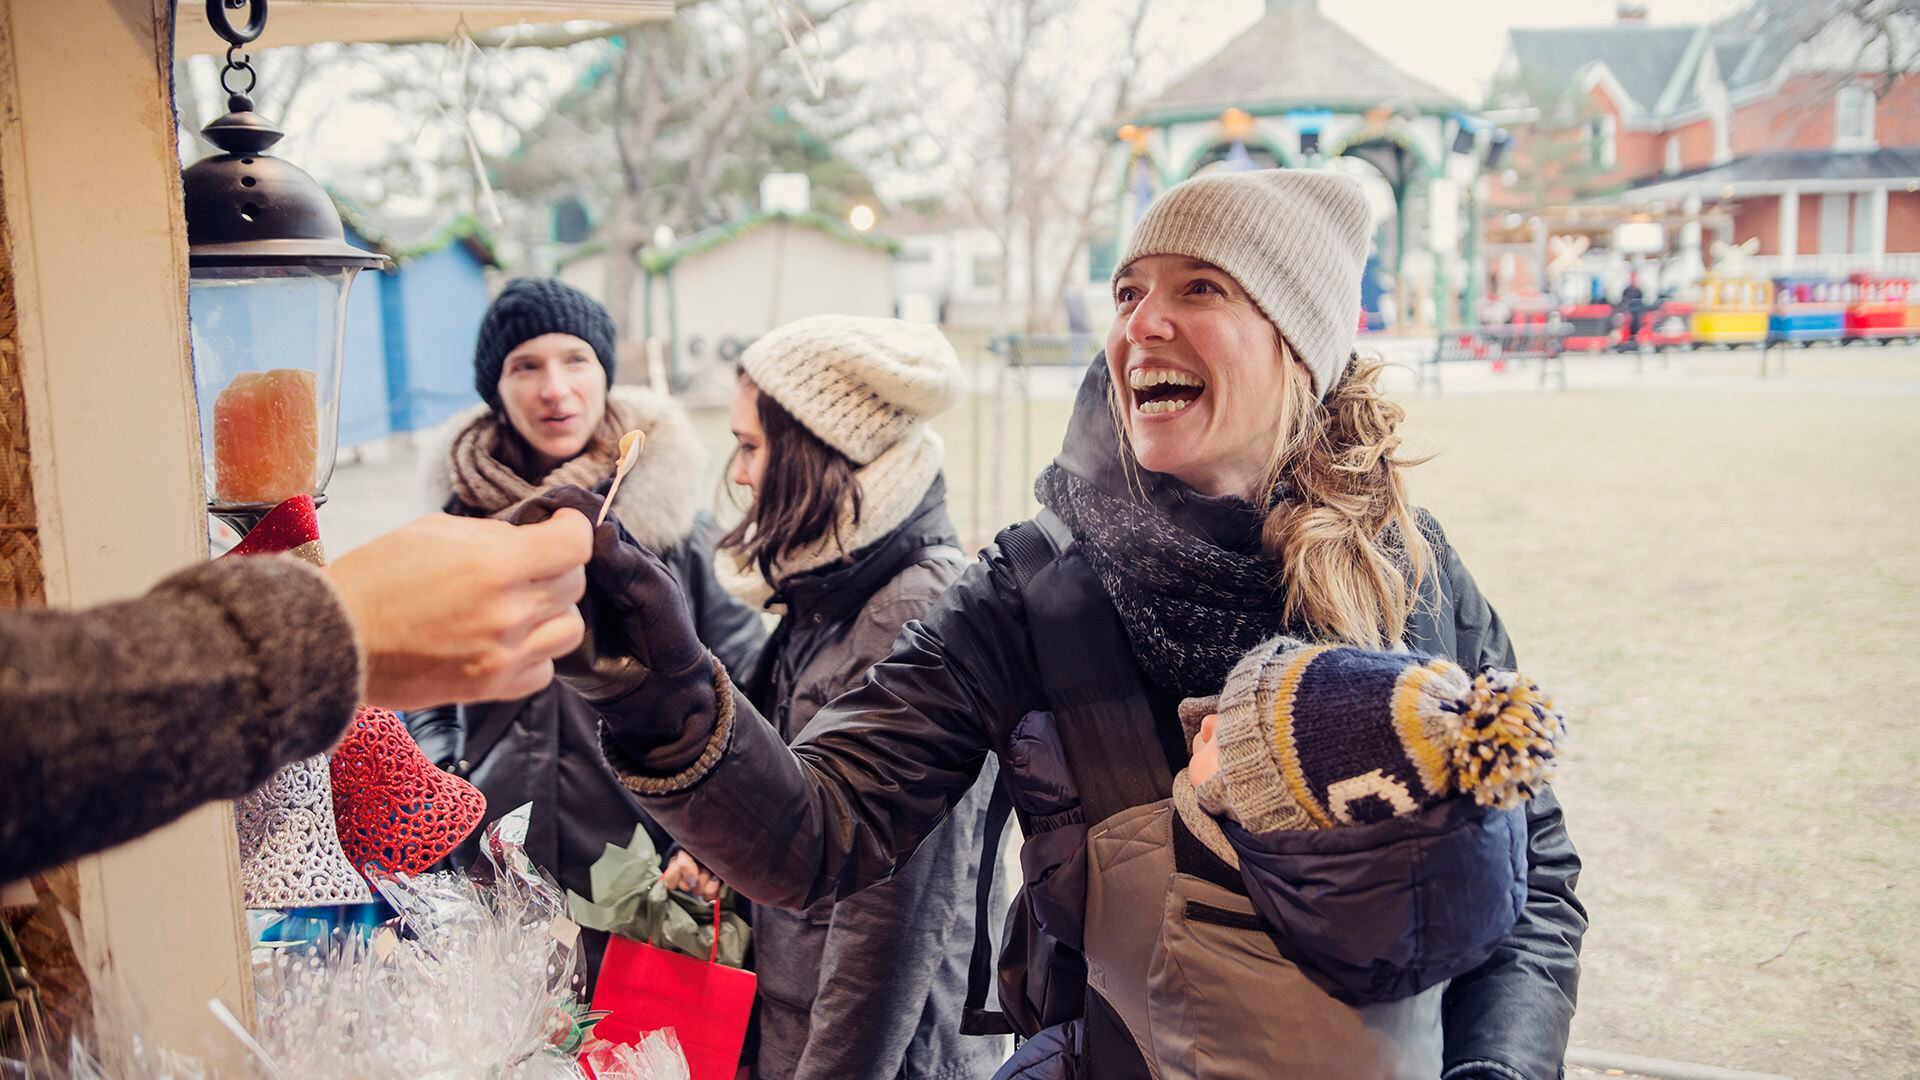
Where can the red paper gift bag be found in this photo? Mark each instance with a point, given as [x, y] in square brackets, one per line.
[707, 1005]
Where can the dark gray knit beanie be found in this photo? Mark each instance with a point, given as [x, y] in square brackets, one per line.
[528, 308]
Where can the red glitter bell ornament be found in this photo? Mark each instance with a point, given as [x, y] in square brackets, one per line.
[291, 527]
[396, 813]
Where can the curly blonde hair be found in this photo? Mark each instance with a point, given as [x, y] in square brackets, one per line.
[1346, 540]
[1353, 554]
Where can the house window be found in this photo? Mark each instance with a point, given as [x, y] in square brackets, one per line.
[1853, 117]
[1835, 235]
[572, 221]
[986, 272]
[1673, 154]
[1602, 133]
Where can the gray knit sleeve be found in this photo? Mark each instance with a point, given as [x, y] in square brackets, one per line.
[117, 720]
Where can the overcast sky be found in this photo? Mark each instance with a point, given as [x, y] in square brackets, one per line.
[339, 132]
[1455, 45]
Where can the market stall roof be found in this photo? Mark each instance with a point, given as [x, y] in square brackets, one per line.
[308, 22]
[657, 262]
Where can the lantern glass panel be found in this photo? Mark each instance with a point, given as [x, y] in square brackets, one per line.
[266, 370]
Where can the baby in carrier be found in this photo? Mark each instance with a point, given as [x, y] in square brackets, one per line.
[1345, 840]
[1315, 737]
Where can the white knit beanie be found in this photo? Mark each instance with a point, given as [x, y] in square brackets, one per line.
[860, 383]
[1295, 239]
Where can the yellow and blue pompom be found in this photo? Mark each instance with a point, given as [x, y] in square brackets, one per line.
[1508, 740]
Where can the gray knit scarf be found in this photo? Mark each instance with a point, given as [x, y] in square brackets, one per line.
[1192, 608]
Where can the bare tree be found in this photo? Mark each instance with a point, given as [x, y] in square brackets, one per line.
[676, 122]
[427, 100]
[280, 77]
[1878, 36]
[1025, 157]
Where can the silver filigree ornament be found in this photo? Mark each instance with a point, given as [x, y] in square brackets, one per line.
[290, 853]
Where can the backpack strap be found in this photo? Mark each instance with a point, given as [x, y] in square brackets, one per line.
[1029, 546]
[1106, 728]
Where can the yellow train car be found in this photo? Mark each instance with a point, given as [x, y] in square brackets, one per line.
[1731, 311]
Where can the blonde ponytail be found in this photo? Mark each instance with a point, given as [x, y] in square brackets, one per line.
[1354, 558]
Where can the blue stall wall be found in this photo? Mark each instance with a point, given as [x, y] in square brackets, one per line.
[363, 363]
[443, 296]
[408, 358]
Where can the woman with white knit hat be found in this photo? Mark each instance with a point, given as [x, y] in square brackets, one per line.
[1231, 472]
[848, 534]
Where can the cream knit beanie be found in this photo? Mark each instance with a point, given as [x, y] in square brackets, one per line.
[860, 383]
[1295, 239]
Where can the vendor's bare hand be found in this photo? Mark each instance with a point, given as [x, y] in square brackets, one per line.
[461, 609]
[685, 874]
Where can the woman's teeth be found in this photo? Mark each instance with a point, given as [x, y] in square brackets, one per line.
[1164, 390]
[1148, 378]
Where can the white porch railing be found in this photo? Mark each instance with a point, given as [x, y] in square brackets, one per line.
[1903, 264]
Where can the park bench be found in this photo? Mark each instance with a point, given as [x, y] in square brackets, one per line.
[1044, 350]
[1540, 342]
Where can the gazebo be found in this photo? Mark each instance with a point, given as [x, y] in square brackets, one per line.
[1298, 90]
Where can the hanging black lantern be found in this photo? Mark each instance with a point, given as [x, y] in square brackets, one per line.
[270, 271]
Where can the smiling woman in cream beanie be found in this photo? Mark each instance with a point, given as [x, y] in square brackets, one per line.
[848, 533]
[830, 415]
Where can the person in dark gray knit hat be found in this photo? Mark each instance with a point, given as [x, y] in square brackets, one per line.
[530, 308]
[1231, 472]
[551, 415]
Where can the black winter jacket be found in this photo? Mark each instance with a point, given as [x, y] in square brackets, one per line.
[870, 987]
[878, 768]
[544, 749]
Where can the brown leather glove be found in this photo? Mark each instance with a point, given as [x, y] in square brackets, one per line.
[641, 664]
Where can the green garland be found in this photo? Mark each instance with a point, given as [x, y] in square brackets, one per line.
[466, 227]
[656, 262]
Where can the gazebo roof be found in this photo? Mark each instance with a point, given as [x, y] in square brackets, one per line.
[1294, 57]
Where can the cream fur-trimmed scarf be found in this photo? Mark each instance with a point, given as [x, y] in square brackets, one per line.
[891, 487]
[657, 502]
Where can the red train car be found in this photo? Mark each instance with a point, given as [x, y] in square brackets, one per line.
[1878, 310]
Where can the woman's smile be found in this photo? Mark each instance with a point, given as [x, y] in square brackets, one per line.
[1163, 391]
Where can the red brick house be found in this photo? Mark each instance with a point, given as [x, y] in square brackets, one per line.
[1804, 139]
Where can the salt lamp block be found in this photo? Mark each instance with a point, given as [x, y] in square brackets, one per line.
[266, 436]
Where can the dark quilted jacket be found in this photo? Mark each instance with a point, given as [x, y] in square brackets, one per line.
[878, 768]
